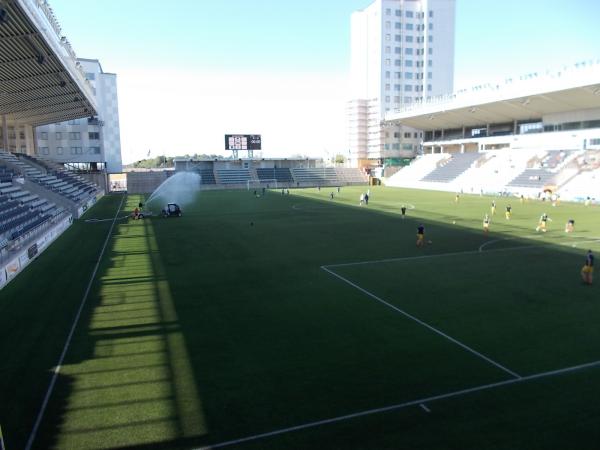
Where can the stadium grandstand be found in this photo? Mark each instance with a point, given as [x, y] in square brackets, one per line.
[536, 134]
[257, 172]
[41, 82]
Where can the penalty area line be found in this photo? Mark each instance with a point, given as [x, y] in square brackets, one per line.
[398, 406]
[57, 368]
[424, 324]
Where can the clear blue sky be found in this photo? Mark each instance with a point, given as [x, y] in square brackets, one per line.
[493, 38]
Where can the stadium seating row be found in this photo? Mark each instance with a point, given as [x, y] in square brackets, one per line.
[285, 176]
[522, 171]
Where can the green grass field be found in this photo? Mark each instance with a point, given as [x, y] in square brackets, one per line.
[321, 325]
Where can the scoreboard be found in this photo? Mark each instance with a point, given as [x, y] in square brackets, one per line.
[242, 142]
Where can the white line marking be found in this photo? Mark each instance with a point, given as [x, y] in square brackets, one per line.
[485, 244]
[56, 370]
[425, 408]
[466, 252]
[105, 220]
[410, 258]
[426, 325]
[398, 406]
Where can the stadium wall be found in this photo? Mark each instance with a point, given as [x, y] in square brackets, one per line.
[10, 268]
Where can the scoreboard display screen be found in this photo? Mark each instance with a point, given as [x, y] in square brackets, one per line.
[242, 142]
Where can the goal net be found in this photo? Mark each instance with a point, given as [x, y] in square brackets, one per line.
[264, 183]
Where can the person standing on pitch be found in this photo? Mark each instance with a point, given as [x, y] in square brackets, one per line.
[570, 226]
[403, 211]
[493, 208]
[543, 222]
[420, 236]
[486, 223]
[587, 271]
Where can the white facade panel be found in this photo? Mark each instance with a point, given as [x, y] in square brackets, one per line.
[402, 51]
[89, 140]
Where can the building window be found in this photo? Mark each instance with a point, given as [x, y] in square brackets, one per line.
[388, 12]
[408, 63]
[93, 135]
[397, 63]
[397, 87]
[74, 122]
[398, 26]
[429, 75]
[387, 87]
[398, 38]
[429, 87]
[430, 51]
[90, 76]
[58, 135]
[388, 37]
[388, 49]
[75, 136]
[408, 26]
[395, 146]
[408, 88]
[429, 63]
[44, 151]
[408, 51]
[409, 14]
[430, 26]
[398, 75]
[388, 25]
[59, 150]
[43, 136]
[398, 13]
[94, 150]
[387, 98]
[76, 151]
[407, 147]
[430, 13]
[430, 38]
[387, 62]
[408, 38]
[408, 75]
[396, 100]
[397, 50]
[406, 135]
[387, 74]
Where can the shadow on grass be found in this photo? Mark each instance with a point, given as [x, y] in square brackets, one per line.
[207, 328]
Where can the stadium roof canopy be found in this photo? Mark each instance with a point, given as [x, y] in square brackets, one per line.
[531, 97]
[40, 80]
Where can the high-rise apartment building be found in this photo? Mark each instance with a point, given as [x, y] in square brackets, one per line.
[402, 51]
[93, 142]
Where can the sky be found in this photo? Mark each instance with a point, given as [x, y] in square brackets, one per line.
[190, 71]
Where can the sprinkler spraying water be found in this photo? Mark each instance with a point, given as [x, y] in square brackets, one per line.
[180, 188]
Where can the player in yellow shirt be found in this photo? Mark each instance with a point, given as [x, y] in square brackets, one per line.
[493, 208]
[420, 236]
[543, 222]
[508, 213]
[486, 224]
[587, 271]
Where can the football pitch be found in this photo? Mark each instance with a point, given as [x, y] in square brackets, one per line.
[299, 321]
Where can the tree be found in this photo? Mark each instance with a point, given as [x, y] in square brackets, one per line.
[340, 159]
